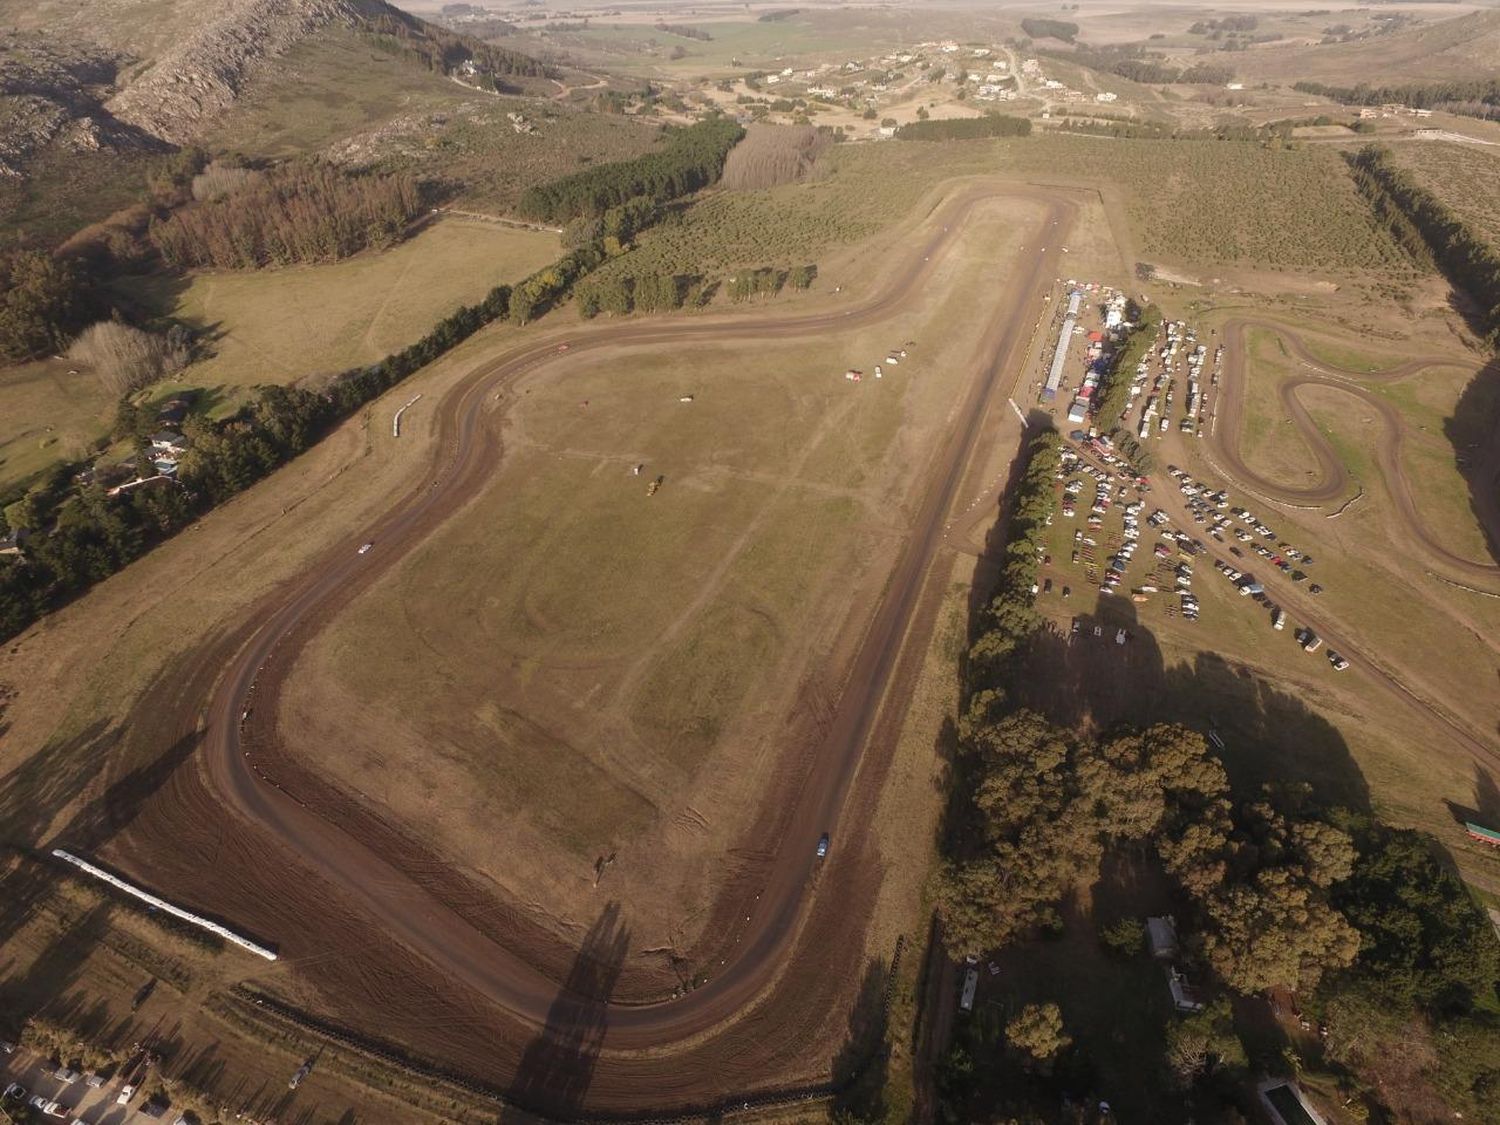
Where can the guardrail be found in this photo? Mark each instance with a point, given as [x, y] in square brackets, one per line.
[165, 906]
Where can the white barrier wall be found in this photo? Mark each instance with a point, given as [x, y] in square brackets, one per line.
[163, 905]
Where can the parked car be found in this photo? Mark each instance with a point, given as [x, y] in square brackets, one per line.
[1338, 662]
[15, 1092]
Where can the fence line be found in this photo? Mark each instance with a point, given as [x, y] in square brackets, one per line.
[165, 906]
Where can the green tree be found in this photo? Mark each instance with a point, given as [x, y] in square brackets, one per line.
[43, 301]
[1037, 1031]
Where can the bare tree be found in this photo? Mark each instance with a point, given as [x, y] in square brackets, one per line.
[125, 358]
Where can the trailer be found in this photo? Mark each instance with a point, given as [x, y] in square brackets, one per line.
[971, 986]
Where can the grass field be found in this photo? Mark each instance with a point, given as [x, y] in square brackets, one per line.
[589, 671]
[273, 326]
[278, 326]
[47, 416]
[1271, 444]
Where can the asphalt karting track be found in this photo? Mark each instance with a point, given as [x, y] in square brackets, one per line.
[1333, 483]
[383, 937]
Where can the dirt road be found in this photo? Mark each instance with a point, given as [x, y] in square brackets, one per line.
[794, 941]
[1333, 483]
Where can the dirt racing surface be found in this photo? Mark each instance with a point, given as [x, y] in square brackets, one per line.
[378, 932]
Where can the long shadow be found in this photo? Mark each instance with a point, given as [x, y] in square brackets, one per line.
[557, 1068]
[1474, 432]
[1263, 734]
[859, 1068]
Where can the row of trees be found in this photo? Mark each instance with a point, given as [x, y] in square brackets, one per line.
[303, 212]
[1477, 97]
[44, 300]
[619, 294]
[966, 128]
[1412, 212]
[692, 159]
[1114, 387]
[1039, 28]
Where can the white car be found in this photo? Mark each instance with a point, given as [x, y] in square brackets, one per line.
[365, 549]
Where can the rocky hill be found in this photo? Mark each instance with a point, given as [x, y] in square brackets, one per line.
[201, 75]
[135, 70]
[51, 92]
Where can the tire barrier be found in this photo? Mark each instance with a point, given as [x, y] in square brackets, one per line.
[163, 905]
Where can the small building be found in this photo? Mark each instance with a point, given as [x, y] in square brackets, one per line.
[168, 442]
[1161, 933]
[1285, 1103]
[1106, 96]
[14, 541]
[1185, 997]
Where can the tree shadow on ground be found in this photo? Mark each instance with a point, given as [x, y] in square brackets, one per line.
[1263, 734]
[557, 1068]
[1485, 811]
[1472, 430]
[859, 1069]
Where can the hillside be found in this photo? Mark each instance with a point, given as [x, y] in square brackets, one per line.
[177, 67]
[1463, 47]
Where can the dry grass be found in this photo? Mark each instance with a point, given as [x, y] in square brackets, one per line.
[279, 326]
[771, 155]
[586, 670]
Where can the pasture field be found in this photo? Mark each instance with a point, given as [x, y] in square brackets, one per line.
[47, 415]
[284, 325]
[272, 326]
[1463, 176]
[575, 669]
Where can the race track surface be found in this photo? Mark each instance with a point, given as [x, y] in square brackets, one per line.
[1334, 483]
[358, 909]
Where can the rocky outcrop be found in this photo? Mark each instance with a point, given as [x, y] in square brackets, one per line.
[52, 92]
[201, 76]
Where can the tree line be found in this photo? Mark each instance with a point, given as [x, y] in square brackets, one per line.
[692, 159]
[44, 302]
[619, 294]
[302, 212]
[1039, 28]
[1113, 395]
[1428, 227]
[1478, 97]
[966, 128]
[1135, 62]
[442, 50]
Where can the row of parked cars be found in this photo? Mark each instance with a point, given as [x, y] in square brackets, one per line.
[16, 1094]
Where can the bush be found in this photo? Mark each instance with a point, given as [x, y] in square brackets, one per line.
[1125, 937]
[126, 359]
[966, 128]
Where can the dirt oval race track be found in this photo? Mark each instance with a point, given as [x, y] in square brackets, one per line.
[398, 947]
[1334, 483]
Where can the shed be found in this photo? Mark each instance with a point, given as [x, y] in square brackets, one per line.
[1162, 934]
[1185, 997]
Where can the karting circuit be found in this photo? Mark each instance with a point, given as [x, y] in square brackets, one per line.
[1334, 482]
[376, 933]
